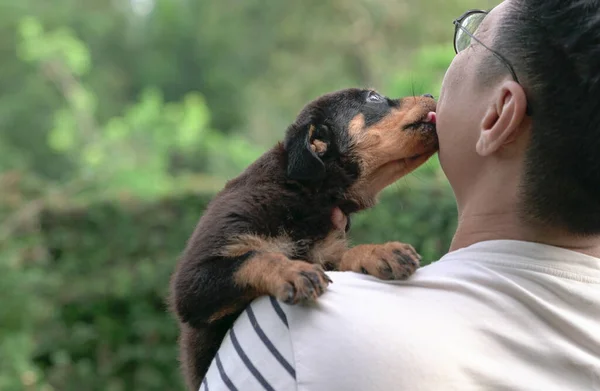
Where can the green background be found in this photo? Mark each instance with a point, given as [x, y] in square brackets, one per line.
[120, 119]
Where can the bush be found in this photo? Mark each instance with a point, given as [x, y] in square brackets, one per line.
[107, 327]
[111, 330]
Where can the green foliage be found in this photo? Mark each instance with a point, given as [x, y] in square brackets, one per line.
[111, 330]
[132, 151]
[24, 310]
[61, 45]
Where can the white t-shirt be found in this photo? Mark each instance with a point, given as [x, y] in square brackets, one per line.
[498, 315]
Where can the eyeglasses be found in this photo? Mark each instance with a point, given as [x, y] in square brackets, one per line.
[465, 28]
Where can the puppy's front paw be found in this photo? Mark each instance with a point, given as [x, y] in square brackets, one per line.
[388, 261]
[301, 281]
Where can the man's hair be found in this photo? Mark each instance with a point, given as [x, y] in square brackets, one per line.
[554, 46]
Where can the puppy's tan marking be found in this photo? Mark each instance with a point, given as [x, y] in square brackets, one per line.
[356, 128]
[311, 131]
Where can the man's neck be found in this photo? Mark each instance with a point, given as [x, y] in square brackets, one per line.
[476, 227]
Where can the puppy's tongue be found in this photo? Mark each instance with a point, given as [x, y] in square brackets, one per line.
[431, 117]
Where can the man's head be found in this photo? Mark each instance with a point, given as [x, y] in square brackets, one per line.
[519, 114]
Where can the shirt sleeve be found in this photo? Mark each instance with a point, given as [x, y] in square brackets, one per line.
[256, 354]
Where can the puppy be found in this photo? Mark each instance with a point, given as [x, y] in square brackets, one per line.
[270, 230]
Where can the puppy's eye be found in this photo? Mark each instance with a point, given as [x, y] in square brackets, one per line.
[374, 97]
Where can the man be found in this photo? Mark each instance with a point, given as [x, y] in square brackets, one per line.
[515, 304]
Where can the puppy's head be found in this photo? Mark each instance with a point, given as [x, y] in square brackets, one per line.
[367, 138]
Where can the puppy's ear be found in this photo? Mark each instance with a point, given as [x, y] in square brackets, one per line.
[305, 145]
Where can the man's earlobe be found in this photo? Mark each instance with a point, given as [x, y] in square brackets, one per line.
[501, 124]
[305, 150]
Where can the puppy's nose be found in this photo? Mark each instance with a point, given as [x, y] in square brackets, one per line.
[428, 96]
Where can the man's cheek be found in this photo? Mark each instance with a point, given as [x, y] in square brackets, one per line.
[449, 88]
[451, 72]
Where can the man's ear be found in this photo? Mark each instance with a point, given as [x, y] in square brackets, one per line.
[502, 121]
[305, 145]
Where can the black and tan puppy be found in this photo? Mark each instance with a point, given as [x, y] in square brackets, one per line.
[270, 230]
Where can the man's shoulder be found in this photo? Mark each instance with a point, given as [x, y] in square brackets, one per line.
[361, 330]
[363, 299]
[367, 302]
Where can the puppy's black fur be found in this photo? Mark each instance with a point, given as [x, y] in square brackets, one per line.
[270, 230]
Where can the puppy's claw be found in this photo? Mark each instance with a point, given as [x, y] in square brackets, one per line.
[288, 294]
[316, 282]
[407, 254]
[307, 282]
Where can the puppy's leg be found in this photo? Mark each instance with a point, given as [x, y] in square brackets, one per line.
[276, 275]
[387, 261]
[270, 271]
[209, 293]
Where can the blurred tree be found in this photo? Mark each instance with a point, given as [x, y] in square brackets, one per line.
[131, 151]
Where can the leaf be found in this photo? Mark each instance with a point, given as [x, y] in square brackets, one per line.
[31, 32]
[93, 155]
[194, 121]
[62, 136]
[116, 130]
[74, 52]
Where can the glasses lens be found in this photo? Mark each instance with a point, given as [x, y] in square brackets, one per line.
[471, 24]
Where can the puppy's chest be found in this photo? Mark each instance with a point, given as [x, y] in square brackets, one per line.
[309, 246]
[308, 233]
[324, 250]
